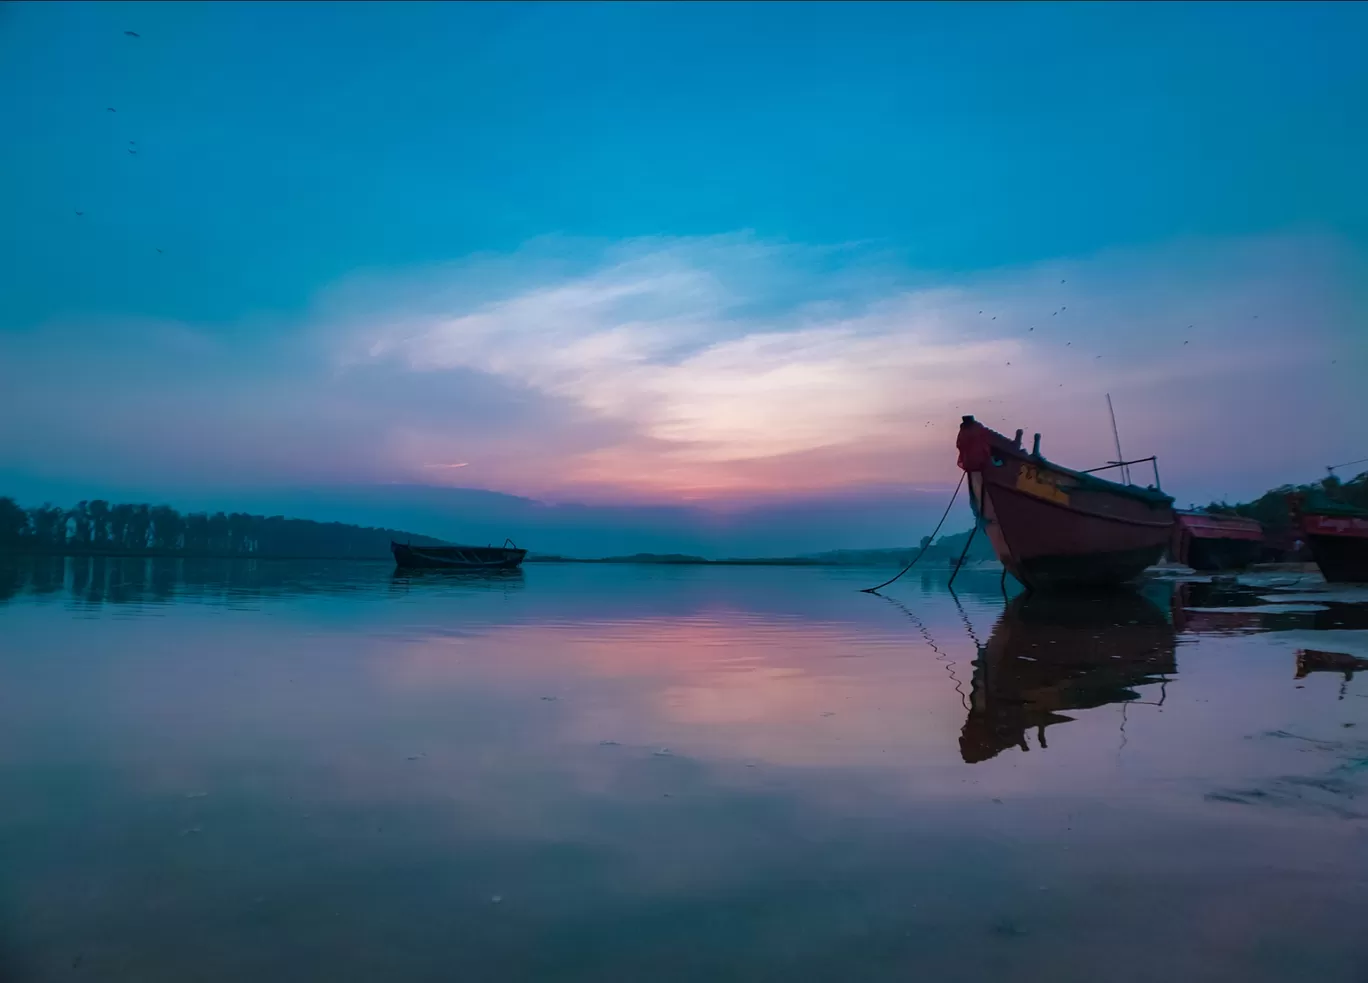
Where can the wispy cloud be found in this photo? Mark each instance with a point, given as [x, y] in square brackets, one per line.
[724, 383]
[721, 369]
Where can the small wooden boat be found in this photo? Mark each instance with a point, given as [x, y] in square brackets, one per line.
[408, 557]
[1337, 535]
[1054, 528]
[1210, 541]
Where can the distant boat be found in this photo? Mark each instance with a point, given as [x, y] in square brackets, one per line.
[409, 557]
[1337, 535]
[1207, 541]
[1054, 528]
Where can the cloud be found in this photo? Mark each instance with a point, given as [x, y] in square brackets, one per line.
[726, 378]
[719, 370]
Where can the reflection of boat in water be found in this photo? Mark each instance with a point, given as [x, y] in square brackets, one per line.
[1048, 655]
[504, 557]
[1316, 660]
[1056, 528]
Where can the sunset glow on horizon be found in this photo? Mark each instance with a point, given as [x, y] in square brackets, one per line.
[736, 287]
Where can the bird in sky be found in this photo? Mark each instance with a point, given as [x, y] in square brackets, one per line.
[133, 34]
[158, 250]
[110, 109]
[132, 151]
[80, 213]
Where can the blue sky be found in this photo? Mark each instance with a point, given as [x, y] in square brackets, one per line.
[675, 253]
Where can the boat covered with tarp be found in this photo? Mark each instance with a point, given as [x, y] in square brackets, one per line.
[1336, 533]
[1216, 541]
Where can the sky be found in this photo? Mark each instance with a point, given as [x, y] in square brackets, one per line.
[708, 277]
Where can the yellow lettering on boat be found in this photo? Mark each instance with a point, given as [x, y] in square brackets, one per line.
[1045, 485]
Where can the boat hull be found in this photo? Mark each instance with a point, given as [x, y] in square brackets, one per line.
[1056, 529]
[1339, 545]
[408, 557]
[1216, 542]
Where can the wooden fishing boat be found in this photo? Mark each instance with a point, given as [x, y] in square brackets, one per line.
[1054, 528]
[408, 557]
[1337, 535]
[1210, 541]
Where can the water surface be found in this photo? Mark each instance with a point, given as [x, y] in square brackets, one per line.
[237, 770]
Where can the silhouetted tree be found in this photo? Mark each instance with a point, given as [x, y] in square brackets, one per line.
[98, 511]
[119, 517]
[165, 525]
[98, 527]
[79, 519]
[14, 521]
[47, 527]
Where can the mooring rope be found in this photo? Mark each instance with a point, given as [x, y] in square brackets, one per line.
[929, 540]
[941, 656]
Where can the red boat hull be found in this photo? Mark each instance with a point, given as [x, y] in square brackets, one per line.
[1216, 542]
[1054, 528]
[1339, 545]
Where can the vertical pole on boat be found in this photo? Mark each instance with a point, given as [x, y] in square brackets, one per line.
[1125, 471]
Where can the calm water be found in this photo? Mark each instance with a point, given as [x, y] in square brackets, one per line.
[235, 771]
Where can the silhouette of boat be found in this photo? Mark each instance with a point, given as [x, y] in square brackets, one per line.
[1208, 541]
[1337, 535]
[1055, 528]
[408, 557]
[1049, 654]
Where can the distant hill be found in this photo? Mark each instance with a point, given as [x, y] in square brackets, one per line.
[943, 551]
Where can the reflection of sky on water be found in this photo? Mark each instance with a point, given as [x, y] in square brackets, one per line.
[332, 772]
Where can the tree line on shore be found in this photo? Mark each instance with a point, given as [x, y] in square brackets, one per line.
[96, 526]
[1271, 509]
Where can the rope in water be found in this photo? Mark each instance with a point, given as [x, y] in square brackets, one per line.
[929, 539]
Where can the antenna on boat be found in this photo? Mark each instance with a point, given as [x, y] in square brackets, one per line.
[1334, 467]
[1125, 471]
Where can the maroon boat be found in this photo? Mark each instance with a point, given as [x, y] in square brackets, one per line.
[1337, 535]
[1054, 528]
[1210, 541]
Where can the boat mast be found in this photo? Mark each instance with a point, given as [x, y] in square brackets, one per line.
[1125, 471]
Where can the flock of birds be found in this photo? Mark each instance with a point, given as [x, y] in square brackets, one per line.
[1068, 344]
[132, 147]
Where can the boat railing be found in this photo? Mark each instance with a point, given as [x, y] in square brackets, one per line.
[1152, 459]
